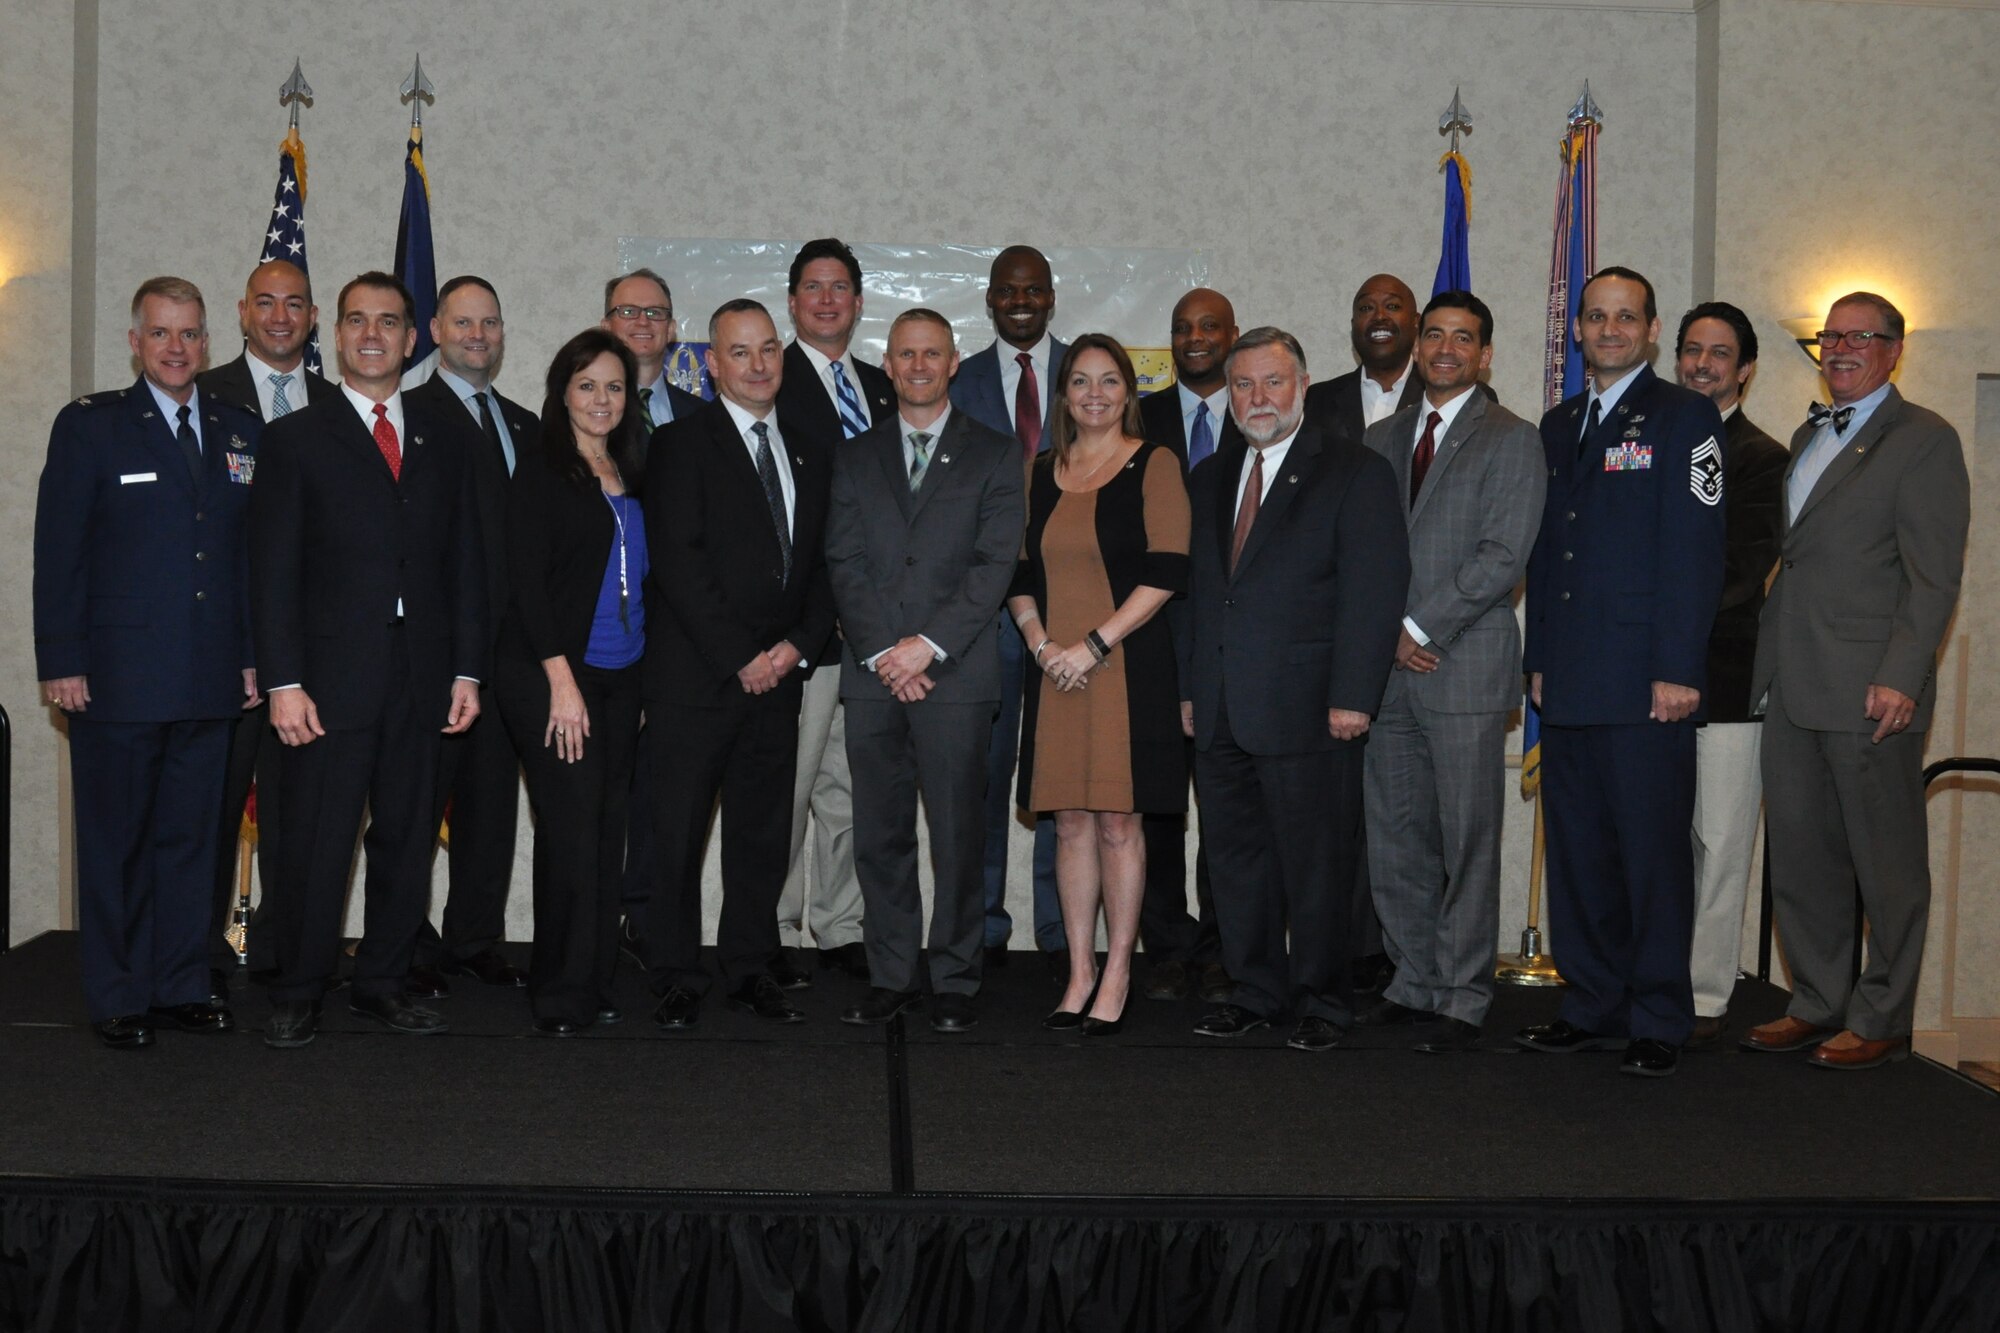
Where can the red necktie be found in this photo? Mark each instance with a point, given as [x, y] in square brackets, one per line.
[1420, 462]
[385, 440]
[1246, 513]
[1028, 407]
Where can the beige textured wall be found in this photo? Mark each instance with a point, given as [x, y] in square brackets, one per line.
[1849, 157]
[36, 74]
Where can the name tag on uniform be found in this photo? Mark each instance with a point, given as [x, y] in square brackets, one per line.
[1628, 457]
[241, 467]
[127, 478]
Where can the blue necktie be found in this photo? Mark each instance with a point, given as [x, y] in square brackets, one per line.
[920, 458]
[852, 419]
[280, 404]
[1202, 443]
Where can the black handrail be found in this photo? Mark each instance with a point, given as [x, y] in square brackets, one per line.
[1932, 772]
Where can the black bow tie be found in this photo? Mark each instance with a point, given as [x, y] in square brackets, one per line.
[1819, 414]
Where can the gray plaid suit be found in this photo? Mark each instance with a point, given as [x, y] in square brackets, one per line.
[1434, 779]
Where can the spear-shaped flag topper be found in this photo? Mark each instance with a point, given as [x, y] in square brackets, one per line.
[416, 262]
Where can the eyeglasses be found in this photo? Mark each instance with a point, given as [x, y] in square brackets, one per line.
[659, 314]
[1858, 339]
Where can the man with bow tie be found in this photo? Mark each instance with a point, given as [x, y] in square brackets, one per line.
[1622, 590]
[1876, 508]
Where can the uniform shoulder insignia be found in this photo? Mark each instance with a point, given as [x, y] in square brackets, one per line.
[1705, 472]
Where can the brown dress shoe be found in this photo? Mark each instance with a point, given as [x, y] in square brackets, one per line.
[1849, 1051]
[1706, 1030]
[1786, 1034]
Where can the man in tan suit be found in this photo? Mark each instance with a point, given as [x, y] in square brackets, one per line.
[1876, 509]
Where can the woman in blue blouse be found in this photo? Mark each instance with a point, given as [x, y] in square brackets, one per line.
[567, 671]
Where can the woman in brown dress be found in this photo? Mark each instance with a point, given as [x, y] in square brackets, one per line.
[1101, 738]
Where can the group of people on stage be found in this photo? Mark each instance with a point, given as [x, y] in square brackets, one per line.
[1007, 581]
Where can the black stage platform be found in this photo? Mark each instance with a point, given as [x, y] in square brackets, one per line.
[828, 1177]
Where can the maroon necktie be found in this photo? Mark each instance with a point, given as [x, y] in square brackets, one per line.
[385, 440]
[1420, 462]
[1028, 407]
[1246, 513]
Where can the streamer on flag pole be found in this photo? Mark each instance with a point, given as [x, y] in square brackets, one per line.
[416, 262]
[1454, 270]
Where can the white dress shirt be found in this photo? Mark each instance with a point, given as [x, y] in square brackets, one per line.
[1010, 371]
[744, 420]
[1378, 403]
[823, 365]
[1274, 462]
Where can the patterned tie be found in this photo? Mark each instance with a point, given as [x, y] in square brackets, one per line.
[1246, 513]
[280, 404]
[646, 405]
[920, 457]
[1420, 462]
[774, 492]
[852, 419]
[190, 447]
[1202, 443]
[385, 440]
[1589, 429]
[1818, 414]
[1028, 407]
[492, 429]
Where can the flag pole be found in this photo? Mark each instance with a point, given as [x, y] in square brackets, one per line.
[1531, 966]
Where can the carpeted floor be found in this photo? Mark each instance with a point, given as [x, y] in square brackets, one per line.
[1010, 1108]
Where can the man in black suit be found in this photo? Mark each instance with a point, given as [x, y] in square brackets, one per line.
[368, 599]
[1298, 572]
[478, 771]
[922, 541]
[1193, 420]
[268, 380]
[141, 639]
[828, 396]
[1384, 330]
[639, 309]
[1716, 354]
[737, 602]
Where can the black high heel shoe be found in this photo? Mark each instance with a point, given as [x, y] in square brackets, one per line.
[1102, 1027]
[1062, 1019]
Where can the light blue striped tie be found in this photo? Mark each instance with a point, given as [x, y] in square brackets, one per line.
[279, 403]
[852, 419]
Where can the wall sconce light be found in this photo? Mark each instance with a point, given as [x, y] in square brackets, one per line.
[1805, 332]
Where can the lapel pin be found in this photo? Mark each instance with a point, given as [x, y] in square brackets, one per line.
[1621, 410]
[1293, 479]
[416, 439]
[944, 458]
[146, 416]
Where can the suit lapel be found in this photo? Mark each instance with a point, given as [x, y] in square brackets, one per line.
[1853, 452]
[889, 456]
[1300, 461]
[1455, 436]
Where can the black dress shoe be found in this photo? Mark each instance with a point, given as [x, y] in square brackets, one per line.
[126, 1033]
[763, 998]
[879, 1005]
[218, 986]
[1169, 981]
[849, 958]
[1216, 984]
[1387, 1014]
[1563, 1037]
[197, 1017]
[425, 983]
[398, 1014]
[1230, 1020]
[1649, 1057]
[789, 970]
[1062, 1020]
[1456, 1036]
[293, 1023]
[1101, 1027]
[488, 966]
[608, 1014]
[1316, 1034]
[556, 1027]
[954, 1013]
[994, 955]
[679, 1008]
[629, 942]
[1372, 973]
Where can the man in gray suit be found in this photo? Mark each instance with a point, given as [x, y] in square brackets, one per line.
[1876, 509]
[1470, 474]
[922, 538]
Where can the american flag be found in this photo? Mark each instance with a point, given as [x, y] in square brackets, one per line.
[285, 238]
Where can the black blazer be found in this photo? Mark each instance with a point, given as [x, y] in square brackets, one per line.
[1160, 414]
[806, 412]
[1753, 496]
[1309, 620]
[559, 538]
[230, 382]
[716, 594]
[336, 540]
[489, 474]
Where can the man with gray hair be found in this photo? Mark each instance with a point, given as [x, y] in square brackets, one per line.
[1298, 570]
[142, 637]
